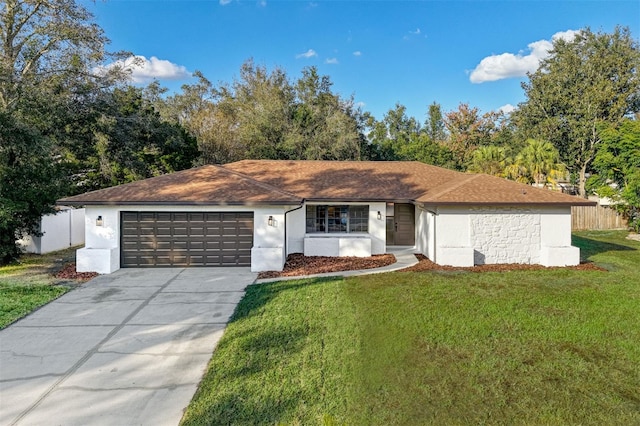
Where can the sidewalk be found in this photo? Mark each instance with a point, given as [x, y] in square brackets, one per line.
[405, 258]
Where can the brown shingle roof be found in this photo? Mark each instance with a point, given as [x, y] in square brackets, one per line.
[291, 182]
[394, 181]
[347, 180]
[486, 189]
[207, 185]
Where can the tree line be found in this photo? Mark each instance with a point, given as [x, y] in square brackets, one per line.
[68, 124]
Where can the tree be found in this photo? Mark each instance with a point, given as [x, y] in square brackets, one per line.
[422, 148]
[583, 84]
[47, 44]
[491, 160]
[541, 160]
[50, 52]
[468, 130]
[434, 125]
[29, 183]
[617, 167]
[131, 142]
[324, 126]
[394, 133]
[262, 114]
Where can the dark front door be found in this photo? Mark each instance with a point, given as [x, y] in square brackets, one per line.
[401, 227]
[186, 239]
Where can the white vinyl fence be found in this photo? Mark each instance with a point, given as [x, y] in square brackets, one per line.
[61, 230]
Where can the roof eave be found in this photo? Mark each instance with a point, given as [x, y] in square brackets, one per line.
[359, 200]
[64, 202]
[508, 203]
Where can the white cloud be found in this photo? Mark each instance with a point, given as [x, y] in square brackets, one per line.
[224, 2]
[357, 53]
[360, 104]
[143, 70]
[507, 109]
[507, 65]
[416, 32]
[308, 54]
[262, 3]
[331, 61]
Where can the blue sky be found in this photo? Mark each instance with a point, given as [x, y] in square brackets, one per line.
[381, 52]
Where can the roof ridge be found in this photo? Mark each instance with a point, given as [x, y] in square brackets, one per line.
[259, 183]
[457, 185]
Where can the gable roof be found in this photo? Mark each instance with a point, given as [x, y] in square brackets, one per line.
[206, 185]
[283, 182]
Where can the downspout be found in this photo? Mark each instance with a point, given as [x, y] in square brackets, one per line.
[286, 242]
[435, 214]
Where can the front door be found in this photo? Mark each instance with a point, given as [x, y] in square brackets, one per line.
[401, 226]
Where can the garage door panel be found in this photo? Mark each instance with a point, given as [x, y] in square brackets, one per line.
[245, 245]
[147, 246]
[196, 245]
[211, 231]
[197, 231]
[227, 231]
[163, 245]
[163, 230]
[178, 216]
[180, 230]
[186, 239]
[213, 245]
[146, 260]
[180, 245]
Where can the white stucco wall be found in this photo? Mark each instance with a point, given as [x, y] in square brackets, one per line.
[296, 233]
[425, 232]
[518, 234]
[453, 237]
[61, 230]
[296, 227]
[555, 238]
[338, 246]
[102, 247]
[378, 228]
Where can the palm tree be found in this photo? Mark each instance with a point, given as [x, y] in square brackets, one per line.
[542, 161]
[491, 160]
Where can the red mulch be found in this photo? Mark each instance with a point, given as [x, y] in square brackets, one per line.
[425, 264]
[298, 264]
[68, 272]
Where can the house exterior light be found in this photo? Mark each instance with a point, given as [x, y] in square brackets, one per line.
[99, 221]
[270, 221]
[379, 215]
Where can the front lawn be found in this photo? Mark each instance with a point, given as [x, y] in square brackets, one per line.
[29, 284]
[526, 347]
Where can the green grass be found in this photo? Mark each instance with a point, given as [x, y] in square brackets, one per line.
[541, 347]
[28, 284]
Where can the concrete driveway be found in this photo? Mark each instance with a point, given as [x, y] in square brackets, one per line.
[124, 349]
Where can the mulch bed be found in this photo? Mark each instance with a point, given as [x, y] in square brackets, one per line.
[424, 264]
[298, 264]
[68, 272]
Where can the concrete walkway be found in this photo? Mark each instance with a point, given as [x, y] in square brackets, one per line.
[405, 258]
[124, 349]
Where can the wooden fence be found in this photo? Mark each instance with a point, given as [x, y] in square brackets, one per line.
[596, 217]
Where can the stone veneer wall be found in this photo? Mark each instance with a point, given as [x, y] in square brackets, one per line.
[505, 235]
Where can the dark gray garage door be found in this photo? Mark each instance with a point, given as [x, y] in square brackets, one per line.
[186, 239]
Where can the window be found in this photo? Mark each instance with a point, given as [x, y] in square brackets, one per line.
[346, 219]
